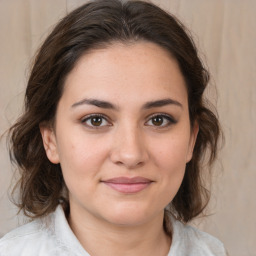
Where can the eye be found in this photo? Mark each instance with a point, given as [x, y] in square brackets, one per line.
[95, 121]
[161, 120]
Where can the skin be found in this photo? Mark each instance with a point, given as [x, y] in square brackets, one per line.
[125, 141]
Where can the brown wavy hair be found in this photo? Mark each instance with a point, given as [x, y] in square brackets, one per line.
[98, 24]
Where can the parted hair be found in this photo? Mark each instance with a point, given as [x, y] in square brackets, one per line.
[98, 24]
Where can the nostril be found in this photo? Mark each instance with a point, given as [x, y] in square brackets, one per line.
[119, 163]
[129, 149]
[131, 164]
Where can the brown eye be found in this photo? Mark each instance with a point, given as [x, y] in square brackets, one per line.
[157, 120]
[95, 121]
[161, 121]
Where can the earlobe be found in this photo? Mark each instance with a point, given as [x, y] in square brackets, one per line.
[50, 145]
[192, 141]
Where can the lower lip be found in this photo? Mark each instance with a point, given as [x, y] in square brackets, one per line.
[128, 188]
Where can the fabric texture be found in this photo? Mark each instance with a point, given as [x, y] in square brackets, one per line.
[52, 236]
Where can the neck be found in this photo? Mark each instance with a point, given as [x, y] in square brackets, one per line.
[98, 236]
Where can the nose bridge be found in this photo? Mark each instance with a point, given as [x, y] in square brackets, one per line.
[129, 147]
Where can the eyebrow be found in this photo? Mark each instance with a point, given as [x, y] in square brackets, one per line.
[108, 105]
[161, 103]
[95, 102]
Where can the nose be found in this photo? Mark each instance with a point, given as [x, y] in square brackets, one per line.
[129, 148]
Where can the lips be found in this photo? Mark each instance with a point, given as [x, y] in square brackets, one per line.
[128, 185]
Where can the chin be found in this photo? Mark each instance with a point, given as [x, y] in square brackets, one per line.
[132, 216]
[128, 221]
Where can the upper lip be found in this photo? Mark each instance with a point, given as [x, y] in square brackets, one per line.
[128, 180]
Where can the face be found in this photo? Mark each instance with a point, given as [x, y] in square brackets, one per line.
[122, 134]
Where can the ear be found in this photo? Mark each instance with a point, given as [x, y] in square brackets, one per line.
[49, 141]
[192, 141]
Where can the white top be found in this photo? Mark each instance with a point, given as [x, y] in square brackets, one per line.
[52, 235]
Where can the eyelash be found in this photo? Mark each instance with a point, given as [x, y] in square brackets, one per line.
[90, 117]
[169, 119]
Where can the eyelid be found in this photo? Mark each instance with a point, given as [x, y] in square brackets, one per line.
[87, 117]
[171, 120]
[169, 117]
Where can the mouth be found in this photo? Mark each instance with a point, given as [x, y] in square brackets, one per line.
[128, 185]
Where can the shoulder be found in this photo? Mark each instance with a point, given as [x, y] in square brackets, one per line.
[195, 242]
[33, 238]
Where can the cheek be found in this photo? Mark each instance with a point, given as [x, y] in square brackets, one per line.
[171, 151]
[170, 164]
[80, 159]
[76, 149]
[170, 158]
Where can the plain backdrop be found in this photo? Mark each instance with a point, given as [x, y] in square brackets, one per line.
[225, 32]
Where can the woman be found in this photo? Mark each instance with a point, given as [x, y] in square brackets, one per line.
[113, 137]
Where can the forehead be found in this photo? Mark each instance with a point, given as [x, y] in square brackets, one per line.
[140, 69]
